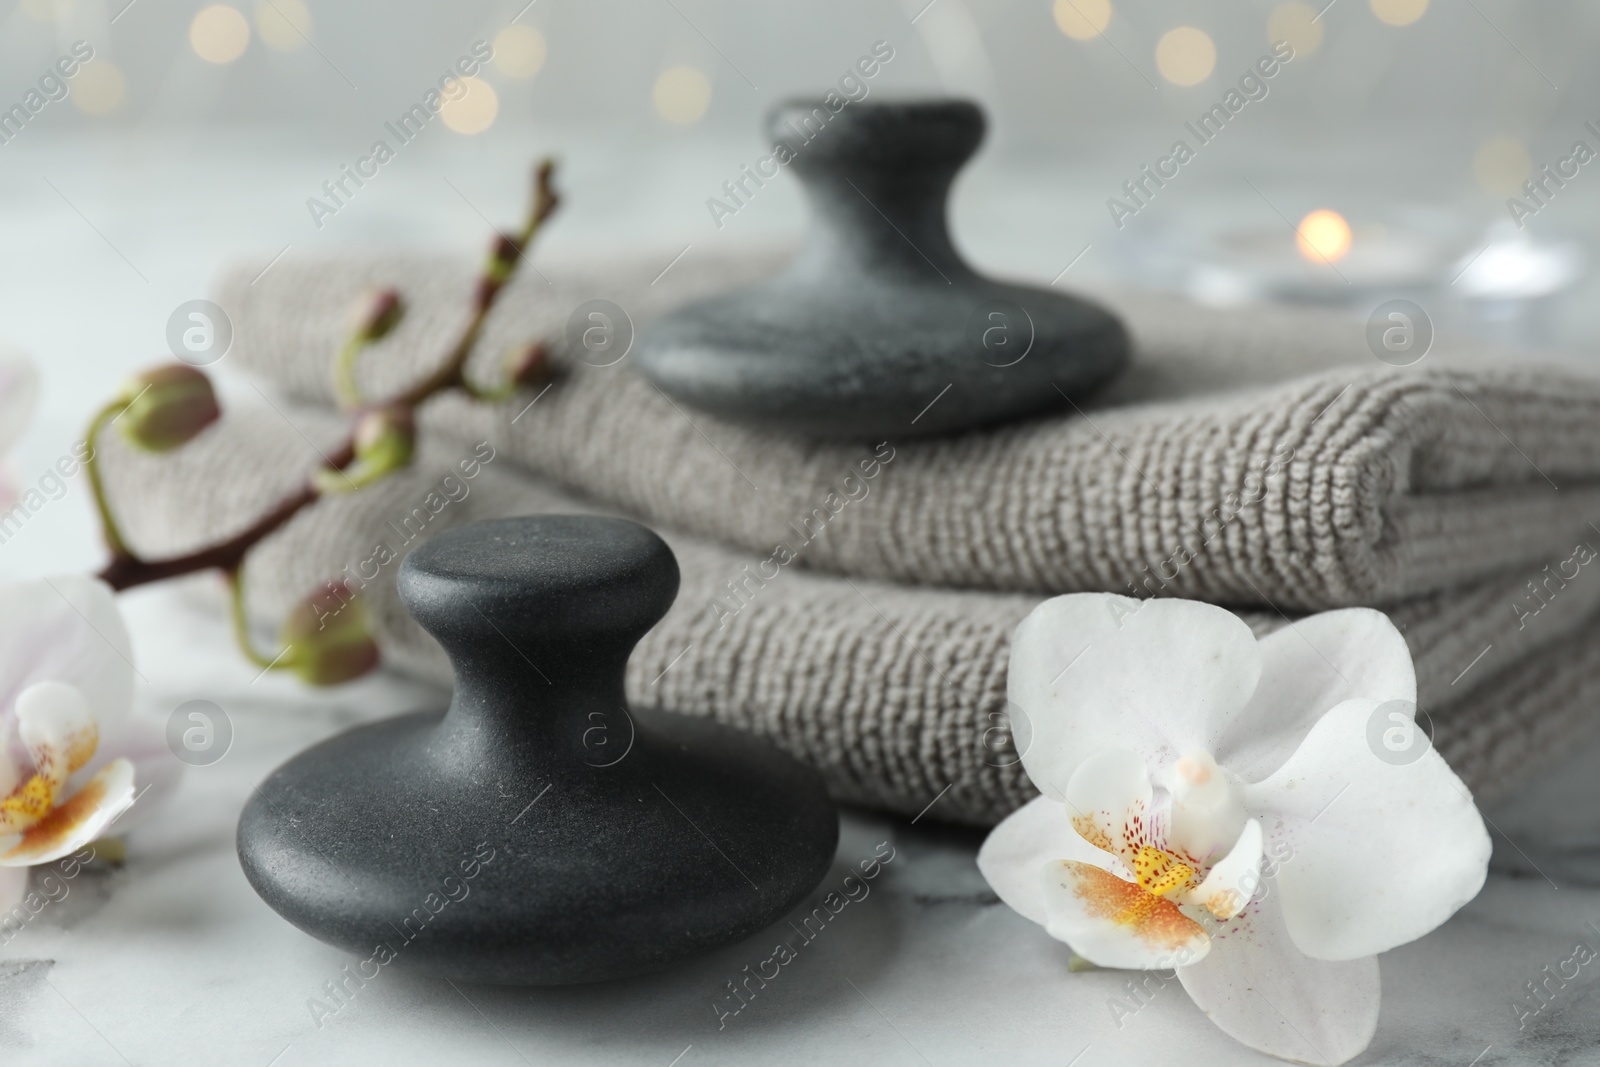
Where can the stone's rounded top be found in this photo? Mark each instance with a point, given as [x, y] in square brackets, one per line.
[544, 576]
[884, 131]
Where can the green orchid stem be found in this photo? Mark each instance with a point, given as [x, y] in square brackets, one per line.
[330, 482]
[491, 393]
[108, 523]
[241, 626]
[344, 371]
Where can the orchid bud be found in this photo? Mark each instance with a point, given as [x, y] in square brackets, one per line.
[386, 437]
[379, 312]
[328, 636]
[167, 407]
[528, 365]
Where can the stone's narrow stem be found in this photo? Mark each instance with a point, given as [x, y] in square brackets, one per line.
[108, 523]
[885, 223]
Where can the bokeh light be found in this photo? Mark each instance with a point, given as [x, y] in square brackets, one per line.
[681, 95]
[284, 25]
[99, 89]
[519, 51]
[1501, 164]
[1398, 12]
[1296, 23]
[1324, 236]
[472, 111]
[48, 10]
[1083, 20]
[219, 33]
[1186, 56]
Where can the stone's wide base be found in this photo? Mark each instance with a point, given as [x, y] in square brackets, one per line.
[871, 361]
[695, 838]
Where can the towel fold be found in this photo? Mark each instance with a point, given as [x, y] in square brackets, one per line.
[895, 693]
[1254, 457]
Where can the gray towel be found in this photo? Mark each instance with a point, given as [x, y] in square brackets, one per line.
[896, 693]
[1270, 446]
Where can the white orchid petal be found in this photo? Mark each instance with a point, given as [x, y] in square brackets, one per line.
[13, 887]
[1016, 851]
[66, 628]
[1383, 851]
[58, 728]
[11, 771]
[1112, 922]
[157, 771]
[1307, 668]
[1261, 990]
[1108, 799]
[1229, 885]
[1095, 671]
[81, 819]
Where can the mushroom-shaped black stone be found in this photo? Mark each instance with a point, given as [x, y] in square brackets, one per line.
[878, 328]
[538, 831]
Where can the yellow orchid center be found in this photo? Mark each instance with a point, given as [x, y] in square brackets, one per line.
[1159, 872]
[36, 797]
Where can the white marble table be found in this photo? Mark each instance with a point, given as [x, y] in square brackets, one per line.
[173, 960]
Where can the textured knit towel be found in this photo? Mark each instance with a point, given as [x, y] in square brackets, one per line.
[1270, 446]
[896, 693]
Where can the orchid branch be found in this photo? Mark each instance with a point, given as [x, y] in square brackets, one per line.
[169, 406]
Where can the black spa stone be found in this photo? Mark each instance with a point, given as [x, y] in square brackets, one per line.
[538, 831]
[878, 329]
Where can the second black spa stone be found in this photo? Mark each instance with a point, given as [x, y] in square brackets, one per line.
[538, 831]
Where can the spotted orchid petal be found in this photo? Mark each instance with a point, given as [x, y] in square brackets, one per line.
[58, 728]
[1091, 672]
[59, 733]
[1109, 802]
[1113, 922]
[1230, 884]
[1017, 850]
[69, 826]
[1382, 852]
[1260, 989]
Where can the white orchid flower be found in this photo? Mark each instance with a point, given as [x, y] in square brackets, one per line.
[69, 754]
[1175, 752]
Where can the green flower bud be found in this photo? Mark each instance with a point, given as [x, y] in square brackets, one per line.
[528, 365]
[378, 313]
[329, 637]
[385, 440]
[168, 406]
[386, 437]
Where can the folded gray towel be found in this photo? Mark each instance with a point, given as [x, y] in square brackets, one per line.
[895, 693]
[1258, 456]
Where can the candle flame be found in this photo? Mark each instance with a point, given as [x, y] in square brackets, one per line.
[1323, 236]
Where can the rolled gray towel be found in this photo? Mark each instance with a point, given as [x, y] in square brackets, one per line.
[895, 693]
[1271, 445]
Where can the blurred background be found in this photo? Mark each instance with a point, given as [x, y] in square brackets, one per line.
[1386, 158]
